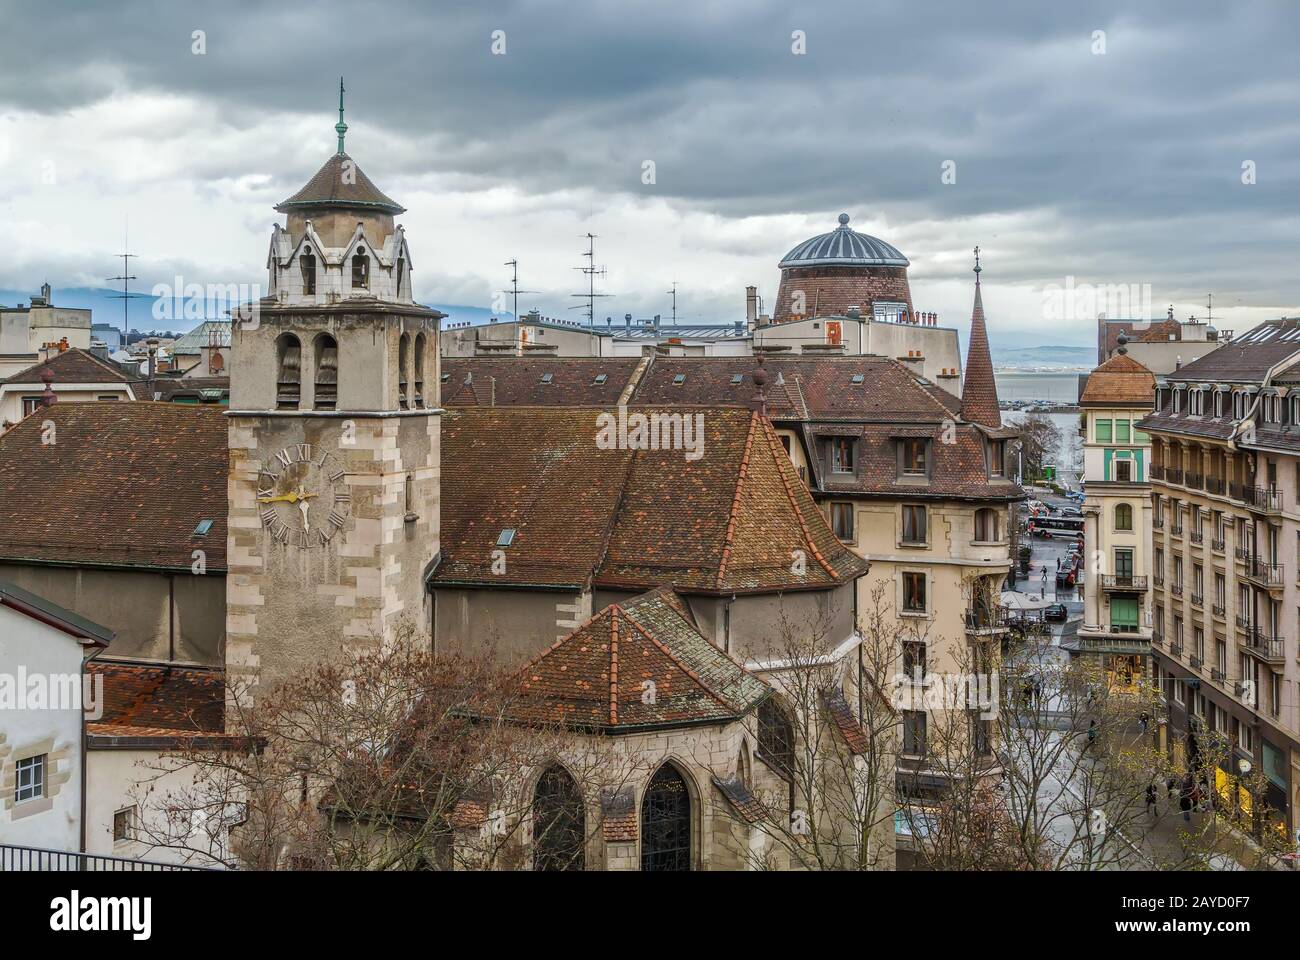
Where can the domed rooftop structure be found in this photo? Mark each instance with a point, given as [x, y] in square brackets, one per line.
[845, 247]
[841, 273]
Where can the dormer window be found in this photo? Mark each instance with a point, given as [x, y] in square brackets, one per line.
[997, 457]
[913, 454]
[307, 263]
[360, 270]
[843, 455]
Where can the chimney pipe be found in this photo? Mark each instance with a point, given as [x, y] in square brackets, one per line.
[751, 306]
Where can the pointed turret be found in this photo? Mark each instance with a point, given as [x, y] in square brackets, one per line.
[979, 395]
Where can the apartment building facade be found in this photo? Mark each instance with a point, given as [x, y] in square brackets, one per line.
[1116, 626]
[1226, 556]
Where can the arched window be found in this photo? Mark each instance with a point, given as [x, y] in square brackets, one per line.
[1123, 516]
[986, 525]
[307, 263]
[742, 765]
[288, 385]
[403, 360]
[419, 370]
[401, 275]
[666, 822]
[775, 736]
[327, 372]
[559, 822]
[361, 270]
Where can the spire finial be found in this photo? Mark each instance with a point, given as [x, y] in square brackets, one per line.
[341, 128]
[977, 264]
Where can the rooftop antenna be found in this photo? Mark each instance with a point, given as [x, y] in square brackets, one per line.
[1209, 307]
[126, 296]
[592, 271]
[673, 292]
[514, 290]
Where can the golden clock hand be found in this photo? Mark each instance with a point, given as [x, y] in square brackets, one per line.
[282, 498]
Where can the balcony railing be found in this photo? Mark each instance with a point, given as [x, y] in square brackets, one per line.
[1158, 520]
[1263, 499]
[37, 858]
[1157, 638]
[1175, 649]
[1158, 579]
[1216, 675]
[1268, 648]
[1197, 536]
[1195, 662]
[1157, 472]
[1268, 575]
[1121, 581]
[1176, 589]
[1242, 551]
[1219, 610]
[1193, 480]
[1214, 485]
[1217, 546]
[1176, 529]
[991, 618]
[1174, 475]
[1243, 621]
[1198, 599]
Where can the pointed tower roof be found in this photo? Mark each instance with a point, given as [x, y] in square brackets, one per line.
[979, 395]
[340, 182]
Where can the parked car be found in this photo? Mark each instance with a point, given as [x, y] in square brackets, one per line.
[1056, 612]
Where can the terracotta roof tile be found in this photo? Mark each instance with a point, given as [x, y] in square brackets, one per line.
[149, 698]
[518, 381]
[636, 664]
[123, 483]
[74, 366]
[748, 806]
[1120, 380]
[628, 519]
[618, 815]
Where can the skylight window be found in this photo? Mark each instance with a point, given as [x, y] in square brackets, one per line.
[506, 537]
[737, 377]
[601, 378]
[203, 527]
[446, 377]
[679, 379]
[546, 378]
[859, 377]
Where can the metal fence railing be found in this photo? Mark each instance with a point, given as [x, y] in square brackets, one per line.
[13, 858]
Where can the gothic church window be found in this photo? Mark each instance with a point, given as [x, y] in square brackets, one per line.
[666, 822]
[559, 822]
[307, 262]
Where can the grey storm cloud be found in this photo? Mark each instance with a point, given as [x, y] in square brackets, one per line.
[1137, 152]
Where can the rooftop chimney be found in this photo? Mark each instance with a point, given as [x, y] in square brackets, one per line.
[751, 306]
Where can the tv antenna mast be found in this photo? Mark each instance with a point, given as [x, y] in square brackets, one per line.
[673, 293]
[126, 296]
[592, 271]
[514, 290]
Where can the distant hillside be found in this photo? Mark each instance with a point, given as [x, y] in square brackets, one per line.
[1084, 358]
[106, 307]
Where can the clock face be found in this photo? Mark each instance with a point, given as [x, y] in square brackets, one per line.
[304, 497]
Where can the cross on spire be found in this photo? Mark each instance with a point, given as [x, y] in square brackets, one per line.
[977, 264]
[341, 128]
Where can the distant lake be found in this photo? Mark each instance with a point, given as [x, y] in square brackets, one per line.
[1057, 387]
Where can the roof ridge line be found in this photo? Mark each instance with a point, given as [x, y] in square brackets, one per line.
[777, 452]
[735, 501]
[615, 610]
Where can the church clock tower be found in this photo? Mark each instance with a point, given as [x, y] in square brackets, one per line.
[333, 435]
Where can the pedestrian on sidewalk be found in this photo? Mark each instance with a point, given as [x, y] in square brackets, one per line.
[1092, 732]
[1144, 719]
[1185, 798]
[1151, 799]
[1171, 787]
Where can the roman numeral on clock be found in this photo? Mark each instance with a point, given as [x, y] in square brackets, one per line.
[337, 519]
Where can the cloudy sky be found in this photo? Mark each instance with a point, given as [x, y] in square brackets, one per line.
[1105, 142]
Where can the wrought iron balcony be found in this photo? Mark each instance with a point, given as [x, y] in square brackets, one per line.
[1197, 536]
[1242, 551]
[1193, 480]
[1235, 491]
[1123, 582]
[1264, 647]
[1158, 579]
[1263, 499]
[1217, 675]
[1243, 622]
[1176, 529]
[1158, 520]
[1217, 546]
[1195, 662]
[1267, 575]
[1176, 649]
[1174, 475]
[1157, 638]
[1219, 611]
[1214, 485]
[1198, 599]
[1157, 472]
[1176, 589]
